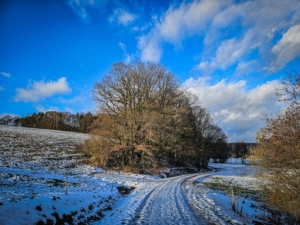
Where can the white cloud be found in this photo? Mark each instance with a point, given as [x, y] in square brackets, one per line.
[244, 68]
[150, 49]
[128, 58]
[122, 46]
[122, 17]
[287, 48]
[227, 16]
[229, 52]
[40, 90]
[176, 24]
[239, 112]
[188, 19]
[260, 21]
[82, 7]
[5, 74]
[232, 32]
[41, 108]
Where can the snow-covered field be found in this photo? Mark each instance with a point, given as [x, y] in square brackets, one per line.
[45, 180]
[235, 183]
[34, 167]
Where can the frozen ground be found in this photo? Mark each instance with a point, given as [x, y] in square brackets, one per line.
[193, 199]
[235, 183]
[34, 167]
[37, 165]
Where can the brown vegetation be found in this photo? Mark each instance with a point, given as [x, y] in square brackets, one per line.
[278, 150]
[146, 120]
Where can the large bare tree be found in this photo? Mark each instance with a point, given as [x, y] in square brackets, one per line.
[147, 115]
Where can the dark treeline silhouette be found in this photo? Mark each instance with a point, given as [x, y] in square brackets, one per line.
[241, 150]
[65, 121]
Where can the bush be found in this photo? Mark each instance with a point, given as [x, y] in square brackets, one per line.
[99, 149]
[106, 154]
[278, 153]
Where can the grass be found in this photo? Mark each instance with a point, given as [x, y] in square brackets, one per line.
[237, 190]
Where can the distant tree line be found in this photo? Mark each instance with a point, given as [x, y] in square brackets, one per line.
[146, 119]
[241, 150]
[65, 121]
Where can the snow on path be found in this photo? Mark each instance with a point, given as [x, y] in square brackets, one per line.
[185, 200]
[199, 197]
[167, 201]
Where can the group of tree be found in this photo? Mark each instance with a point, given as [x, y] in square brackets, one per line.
[146, 119]
[278, 150]
[65, 121]
[240, 150]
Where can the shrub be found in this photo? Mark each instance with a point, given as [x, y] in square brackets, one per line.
[278, 151]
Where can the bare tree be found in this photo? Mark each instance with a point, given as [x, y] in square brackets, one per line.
[207, 134]
[146, 114]
[132, 97]
[241, 151]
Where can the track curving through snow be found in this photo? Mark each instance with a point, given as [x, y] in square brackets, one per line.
[165, 201]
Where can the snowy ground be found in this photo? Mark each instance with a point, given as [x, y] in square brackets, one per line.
[235, 183]
[194, 199]
[36, 165]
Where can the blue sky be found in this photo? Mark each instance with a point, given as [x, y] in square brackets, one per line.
[231, 54]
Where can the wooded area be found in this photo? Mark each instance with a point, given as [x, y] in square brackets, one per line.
[147, 119]
[64, 121]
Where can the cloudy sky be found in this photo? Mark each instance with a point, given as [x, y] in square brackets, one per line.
[231, 54]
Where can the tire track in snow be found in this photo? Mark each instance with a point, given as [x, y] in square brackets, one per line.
[142, 214]
[163, 202]
[198, 197]
[133, 204]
